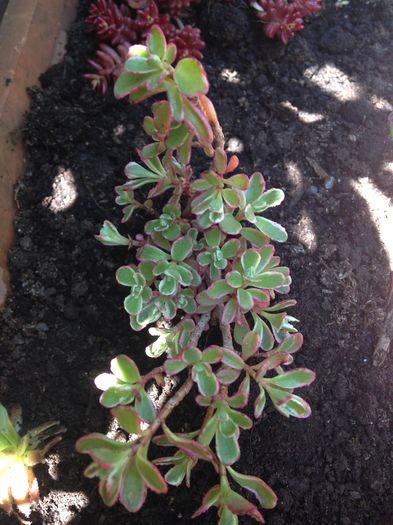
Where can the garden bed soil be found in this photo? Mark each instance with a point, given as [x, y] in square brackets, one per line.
[313, 118]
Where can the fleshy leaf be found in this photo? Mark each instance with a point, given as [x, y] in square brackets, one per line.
[272, 229]
[125, 369]
[133, 489]
[144, 406]
[156, 42]
[262, 491]
[128, 419]
[190, 77]
[190, 447]
[293, 379]
[150, 474]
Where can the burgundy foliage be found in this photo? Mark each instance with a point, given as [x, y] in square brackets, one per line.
[176, 7]
[119, 26]
[283, 19]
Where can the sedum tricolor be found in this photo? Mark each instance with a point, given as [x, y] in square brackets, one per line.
[205, 257]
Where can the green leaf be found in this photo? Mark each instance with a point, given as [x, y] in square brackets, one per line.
[152, 253]
[209, 499]
[232, 359]
[171, 53]
[128, 419]
[268, 280]
[212, 354]
[228, 449]
[256, 187]
[254, 236]
[195, 120]
[168, 286]
[156, 42]
[188, 446]
[219, 289]
[162, 117]
[133, 489]
[204, 259]
[240, 181]
[260, 403]
[125, 275]
[291, 344]
[190, 77]
[262, 491]
[250, 345]
[140, 65]
[264, 333]
[295, 406]
[93, 441]
[227, 517]
[128, 83]
[177, 137]
[240, 420]
[230, 225]
[230, 248]
[205, 379]
[220, 160]
[174, 366]
[150, 151]
[269, 199]
[176, 474]
[125, 369]
[245, 300]
[116, 395]
[228, 428]
[133, 170]
[234, 279]
[7, 427]
[229, 312]
[250, 260]
[272, 229]
[293, 379]
[150, 474]
[181, 248]
[192, 355]
[213, 237]
[227, 376]
[109, 236]
[133, 304]
[144, 406]
[138, 50]
[240, 399]
[175, 103]
[241, 329]
[109, 489]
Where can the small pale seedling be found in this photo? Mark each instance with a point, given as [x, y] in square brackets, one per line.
[18, 454]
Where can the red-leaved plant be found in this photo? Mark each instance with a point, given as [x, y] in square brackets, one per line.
[119, 26]
[284, 18]
[206, 258]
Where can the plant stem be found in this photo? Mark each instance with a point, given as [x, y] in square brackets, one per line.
[226, 333]
[227, 342]
[181, 393]
[151, 375]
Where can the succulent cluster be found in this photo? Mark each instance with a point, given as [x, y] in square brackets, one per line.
[18, 484]
[284, 18]
[119, 26]
[205, 258]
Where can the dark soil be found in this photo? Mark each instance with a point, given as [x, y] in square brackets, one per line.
[64, 319]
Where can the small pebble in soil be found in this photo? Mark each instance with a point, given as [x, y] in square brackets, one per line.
[329, 183]
[42, 327]
[235, 145]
